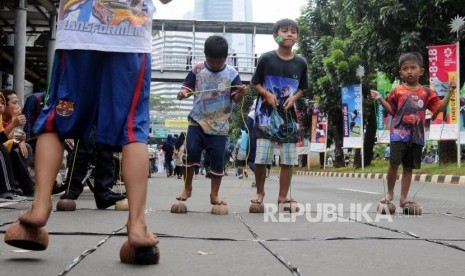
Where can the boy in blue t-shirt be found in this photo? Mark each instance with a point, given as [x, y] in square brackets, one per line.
[279, 80]
[215, 86]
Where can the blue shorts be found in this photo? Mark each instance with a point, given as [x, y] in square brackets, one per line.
[214, 145]
[108, 90]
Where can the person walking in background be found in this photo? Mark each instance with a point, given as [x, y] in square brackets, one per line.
[178, 154]
[168, 148]
[189, 58]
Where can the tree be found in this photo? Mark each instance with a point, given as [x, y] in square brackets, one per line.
[338, 35]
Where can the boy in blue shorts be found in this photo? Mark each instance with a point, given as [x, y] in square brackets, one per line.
[279, 79]
[101, 76]
[215, 86]
[407, 104]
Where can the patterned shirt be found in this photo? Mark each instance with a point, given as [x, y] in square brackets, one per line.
[105, 25]
[283, 78]
[409, 107]
[214, 101]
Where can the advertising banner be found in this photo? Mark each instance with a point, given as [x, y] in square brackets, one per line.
[351, 97]
[443, 68]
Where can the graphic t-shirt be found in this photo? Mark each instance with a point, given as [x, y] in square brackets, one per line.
[213, 104]
[105, 25]
[283, 78]
[409, 107]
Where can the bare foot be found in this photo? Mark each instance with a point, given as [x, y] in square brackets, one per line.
[402, 202]
[140, 236]
[185, 195]
[286, 200]
[37, 215]
[387, 198]
[258, 199]
[215, 200]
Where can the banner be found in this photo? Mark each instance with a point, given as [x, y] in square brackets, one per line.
[351, 97]
[383, 86]
[462, 114]
[319, 130]
[443, 68]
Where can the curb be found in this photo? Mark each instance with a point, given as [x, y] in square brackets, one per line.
[438, 178]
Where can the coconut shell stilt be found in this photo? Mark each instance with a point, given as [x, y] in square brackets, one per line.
[141, 255]
[257, 208]
[220, 209]
[386, 207]
[26, 237]
[412, 208]
[122, 205]
[179, 208]
[290, 206]
[66, 205]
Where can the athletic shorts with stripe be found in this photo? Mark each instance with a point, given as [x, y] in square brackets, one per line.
[108, 90]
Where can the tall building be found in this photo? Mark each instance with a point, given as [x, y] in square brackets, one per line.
[228, 10]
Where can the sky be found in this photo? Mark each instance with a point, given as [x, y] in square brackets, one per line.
[263, 11]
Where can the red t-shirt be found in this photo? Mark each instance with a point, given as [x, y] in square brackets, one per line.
[409, 106]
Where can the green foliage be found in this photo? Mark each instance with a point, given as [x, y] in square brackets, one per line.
[339, 35]
[239, 115]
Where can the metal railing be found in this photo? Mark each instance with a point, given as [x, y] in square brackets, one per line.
[243, 62]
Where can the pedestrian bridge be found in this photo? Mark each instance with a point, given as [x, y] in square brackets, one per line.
[172, 68]
[168, 67]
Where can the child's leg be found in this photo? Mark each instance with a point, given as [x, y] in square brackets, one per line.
[193, 151]
[263, 155]
[288, 158]
[215, 188]
[187, 185]
[391, 181]
[405, 185]
[135, 166]
[260, 174]
[285, 176]
[215, 146]
[48, 158]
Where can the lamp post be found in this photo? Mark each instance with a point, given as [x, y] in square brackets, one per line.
[455, 26]
[360, 72]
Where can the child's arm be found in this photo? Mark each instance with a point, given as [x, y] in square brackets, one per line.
[375, 95]
[445, 100]
[240, 93]
[291, 100]
[268, 97]
[184, 93]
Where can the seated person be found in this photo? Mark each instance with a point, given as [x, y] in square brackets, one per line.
[7, 181]
[20, 151]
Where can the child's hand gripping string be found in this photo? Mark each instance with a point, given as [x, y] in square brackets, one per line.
[183, 94]
[270, 99]
[289, 102]
[241, 91]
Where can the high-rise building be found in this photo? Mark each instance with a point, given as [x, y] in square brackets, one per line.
[228, 10]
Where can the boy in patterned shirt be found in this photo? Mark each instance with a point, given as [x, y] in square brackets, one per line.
[215, 86]
[407, 104]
